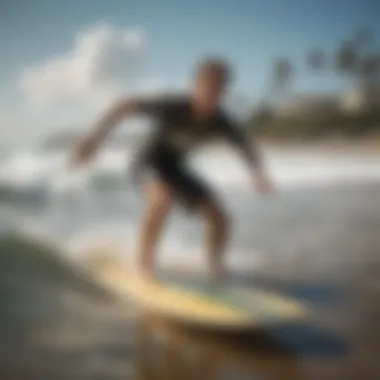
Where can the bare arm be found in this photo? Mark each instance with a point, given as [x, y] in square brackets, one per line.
[111, 118]
[251, 155]
[89, 144]
[255, 162]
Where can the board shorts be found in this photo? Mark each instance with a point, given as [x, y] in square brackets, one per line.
[168, 165]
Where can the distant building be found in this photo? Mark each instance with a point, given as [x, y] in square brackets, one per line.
[308, 104]
[361, 99]
[314, 104]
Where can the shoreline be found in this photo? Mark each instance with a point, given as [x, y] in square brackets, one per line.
[363, 146]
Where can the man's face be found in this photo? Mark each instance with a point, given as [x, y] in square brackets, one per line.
[209, 89]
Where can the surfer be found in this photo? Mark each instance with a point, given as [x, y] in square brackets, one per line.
[182, 123]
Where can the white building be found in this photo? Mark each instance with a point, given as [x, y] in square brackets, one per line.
[308, 104]
[361, 99]
[314, 104]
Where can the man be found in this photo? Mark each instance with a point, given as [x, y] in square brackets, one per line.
[182, 124]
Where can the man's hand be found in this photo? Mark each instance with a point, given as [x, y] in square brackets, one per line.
[262, 183]
[83, 152]
[87, 147]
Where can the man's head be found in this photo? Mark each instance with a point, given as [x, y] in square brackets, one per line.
[211, 80]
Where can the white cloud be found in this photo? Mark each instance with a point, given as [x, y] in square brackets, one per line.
[10, 121]
[103, 62]
[155, 85]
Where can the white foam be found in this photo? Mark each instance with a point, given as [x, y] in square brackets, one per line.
[290, 169]
[119, 241]
[221, 167]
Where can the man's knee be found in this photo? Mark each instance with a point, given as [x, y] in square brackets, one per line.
[159, 200]
[217, 217]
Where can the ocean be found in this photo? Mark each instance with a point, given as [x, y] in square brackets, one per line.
[316, 239]
[325, 209]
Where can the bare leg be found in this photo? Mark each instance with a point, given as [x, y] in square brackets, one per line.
[158, 204]
[217, 235]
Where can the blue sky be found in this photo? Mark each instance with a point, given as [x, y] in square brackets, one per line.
[250, 33]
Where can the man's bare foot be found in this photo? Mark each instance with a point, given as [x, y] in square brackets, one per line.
[145, 276]
[216, 277]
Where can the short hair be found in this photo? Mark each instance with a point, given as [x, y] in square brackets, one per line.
[217, 65]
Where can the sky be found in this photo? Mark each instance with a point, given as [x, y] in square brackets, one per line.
[63, 61]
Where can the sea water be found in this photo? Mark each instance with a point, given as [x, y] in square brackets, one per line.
[325, 210]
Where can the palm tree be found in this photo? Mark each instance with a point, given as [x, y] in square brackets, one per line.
[369, 70]
[282, 75]
[316, 60]
[355, 58]
[363, 37]
[359, 61]
[369, 59]
[347, 58]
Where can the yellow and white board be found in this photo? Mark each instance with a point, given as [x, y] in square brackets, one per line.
[226, 306]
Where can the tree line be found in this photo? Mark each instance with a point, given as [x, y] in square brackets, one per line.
[355, 59]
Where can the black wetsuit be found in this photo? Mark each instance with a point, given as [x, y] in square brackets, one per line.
[176, 133]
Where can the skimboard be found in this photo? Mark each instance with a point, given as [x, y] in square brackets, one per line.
[197, 302]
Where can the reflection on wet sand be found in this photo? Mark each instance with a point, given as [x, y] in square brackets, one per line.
[55, 326]
[168, 351]
[77, 335]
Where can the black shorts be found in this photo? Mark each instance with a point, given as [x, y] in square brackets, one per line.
[168, 166]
